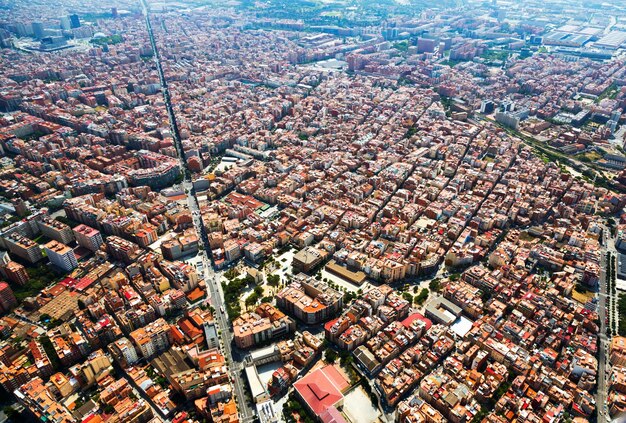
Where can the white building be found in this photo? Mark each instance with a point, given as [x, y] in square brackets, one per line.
[61, 255]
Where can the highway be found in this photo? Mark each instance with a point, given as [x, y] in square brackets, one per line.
[212, 279]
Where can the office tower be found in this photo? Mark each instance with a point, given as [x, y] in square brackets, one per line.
[487, 106]
[425, 45]
[66, 24]
[38, 30]
[74, 21]
[23, 30]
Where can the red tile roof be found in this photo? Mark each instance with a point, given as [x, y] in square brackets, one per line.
[332, 415]
[416, 316]
[322, 388]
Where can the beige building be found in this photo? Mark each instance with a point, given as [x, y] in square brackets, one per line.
[153, 338]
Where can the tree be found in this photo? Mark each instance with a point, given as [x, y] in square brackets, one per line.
[435, 285]
[485, 296]
[273, 280]
[580, 288]
[421, 297]
[348, 296]
[230, 274]
[10, 412]
[54, 323]
[330, 356]
[108, 409]
[345, 358]
[252, 299]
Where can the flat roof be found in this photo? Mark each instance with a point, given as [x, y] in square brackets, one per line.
[256, 386]
[354, 277]
[264, 352]
[613, 39]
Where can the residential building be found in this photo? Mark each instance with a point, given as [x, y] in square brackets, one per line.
[61, 255]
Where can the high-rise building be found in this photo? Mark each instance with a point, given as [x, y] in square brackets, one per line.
[487, 107]
[23, 30]
[210, 335]
[426, 45]
[61, 255]
[74, 21]
[152, 339]
[124, 352]
[88, 237]
[122, 250]
[21, 207]
[15, 273]
[23, 247]
[146, 235]
[114, 12]
[38, 30]
[66, 24]
[390, 33]
[5, 258]
[7, 298]
[616, 115]
[56, 230]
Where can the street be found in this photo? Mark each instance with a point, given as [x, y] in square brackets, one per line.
[608, 243]
[211, 278]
